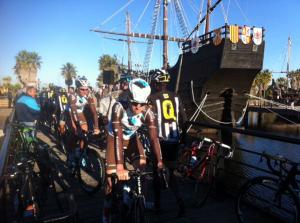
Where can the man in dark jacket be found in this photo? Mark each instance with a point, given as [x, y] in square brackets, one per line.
[27, 109]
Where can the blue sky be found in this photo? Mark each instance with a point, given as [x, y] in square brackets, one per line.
[58, 30]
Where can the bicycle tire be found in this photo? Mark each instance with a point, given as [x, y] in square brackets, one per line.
[91, 171]
[138, 212]
[255, 202]
[203, 185]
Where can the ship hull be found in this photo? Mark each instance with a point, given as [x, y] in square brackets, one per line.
[217, 70]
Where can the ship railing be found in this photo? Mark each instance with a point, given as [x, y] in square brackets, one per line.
[247, 162]
[209, 37]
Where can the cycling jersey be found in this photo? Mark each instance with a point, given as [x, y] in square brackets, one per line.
[122, 128]
[78, 104]
[170, 115]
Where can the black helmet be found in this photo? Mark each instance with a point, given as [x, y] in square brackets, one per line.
[160, 76]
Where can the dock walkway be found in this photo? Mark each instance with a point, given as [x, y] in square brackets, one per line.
[90, 206]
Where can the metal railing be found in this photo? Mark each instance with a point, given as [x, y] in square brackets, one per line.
[4, 155]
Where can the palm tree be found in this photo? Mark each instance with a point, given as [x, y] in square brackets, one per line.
[282, 82]
[107, 61]
[294, 76]
[262, 80]
[68, 71]
[27, 65]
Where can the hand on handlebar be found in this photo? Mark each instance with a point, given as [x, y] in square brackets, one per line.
[160, 165]
[122, 173]
[96, 131]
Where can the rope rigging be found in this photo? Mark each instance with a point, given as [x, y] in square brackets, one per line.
[153, 31]
[142, 15]
[201, 105]
[117, 12]
[242, 12]
[181, 18]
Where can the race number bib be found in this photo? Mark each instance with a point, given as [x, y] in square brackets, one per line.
[168, 110]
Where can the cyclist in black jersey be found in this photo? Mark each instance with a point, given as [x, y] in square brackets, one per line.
[61, 109]
[170, 116]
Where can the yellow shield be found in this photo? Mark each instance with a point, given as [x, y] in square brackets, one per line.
[234, 34]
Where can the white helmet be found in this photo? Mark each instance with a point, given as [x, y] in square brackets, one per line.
[81, 82]
[139, 90]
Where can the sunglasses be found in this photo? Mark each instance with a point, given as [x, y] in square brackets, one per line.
[137, 103]
[83, 89]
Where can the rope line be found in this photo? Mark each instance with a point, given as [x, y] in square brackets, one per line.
[270, 110]
[273, 102]
[142, 15]
[117, 12]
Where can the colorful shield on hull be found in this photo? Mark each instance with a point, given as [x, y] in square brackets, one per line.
[246, 35]
[234, 34]
[257, 35]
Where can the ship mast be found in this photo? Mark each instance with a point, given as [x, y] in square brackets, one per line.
[128, 30]
[165, 35]
[288, 62]
[207, 19]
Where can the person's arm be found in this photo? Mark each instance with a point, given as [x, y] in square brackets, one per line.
[117, 113]
[74, 115]
[91, 102]
[153, 136]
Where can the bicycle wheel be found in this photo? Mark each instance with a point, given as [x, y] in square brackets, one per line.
[259, 201]
[91, 171]
[205, 178]
[138, 211]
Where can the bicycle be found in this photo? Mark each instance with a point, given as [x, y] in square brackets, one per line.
[128, 200]
[31, 187]
[199, 163]
[89, 166]
[273, 196]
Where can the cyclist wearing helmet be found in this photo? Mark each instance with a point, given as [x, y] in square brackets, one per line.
[61, 111]
[78, 101]
[122, 139]
[171, 118]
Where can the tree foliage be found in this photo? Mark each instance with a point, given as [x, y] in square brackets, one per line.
[27, 65]
[68, 71]
[108, 62]
[282, 82]
[261, 81]
[294, 76]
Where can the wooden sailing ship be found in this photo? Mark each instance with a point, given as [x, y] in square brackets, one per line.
[215, 70]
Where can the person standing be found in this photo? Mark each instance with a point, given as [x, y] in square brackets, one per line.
[9, 97]
[27, 109]
[171, 120]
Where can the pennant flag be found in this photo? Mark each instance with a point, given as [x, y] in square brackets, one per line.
[257, 35]
[234, 34]
[218, 37]
[246, 35]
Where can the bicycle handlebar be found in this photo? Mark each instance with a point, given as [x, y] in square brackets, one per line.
[220, 144]
[282, 161]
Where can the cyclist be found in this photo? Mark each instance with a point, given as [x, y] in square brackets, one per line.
[170, 117]
[78, 121]
[122, 141]
[61, 111]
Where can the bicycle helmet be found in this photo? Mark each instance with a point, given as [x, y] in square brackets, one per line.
[160, 76]
[81, 82]
[125, 78]
[139, 90]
